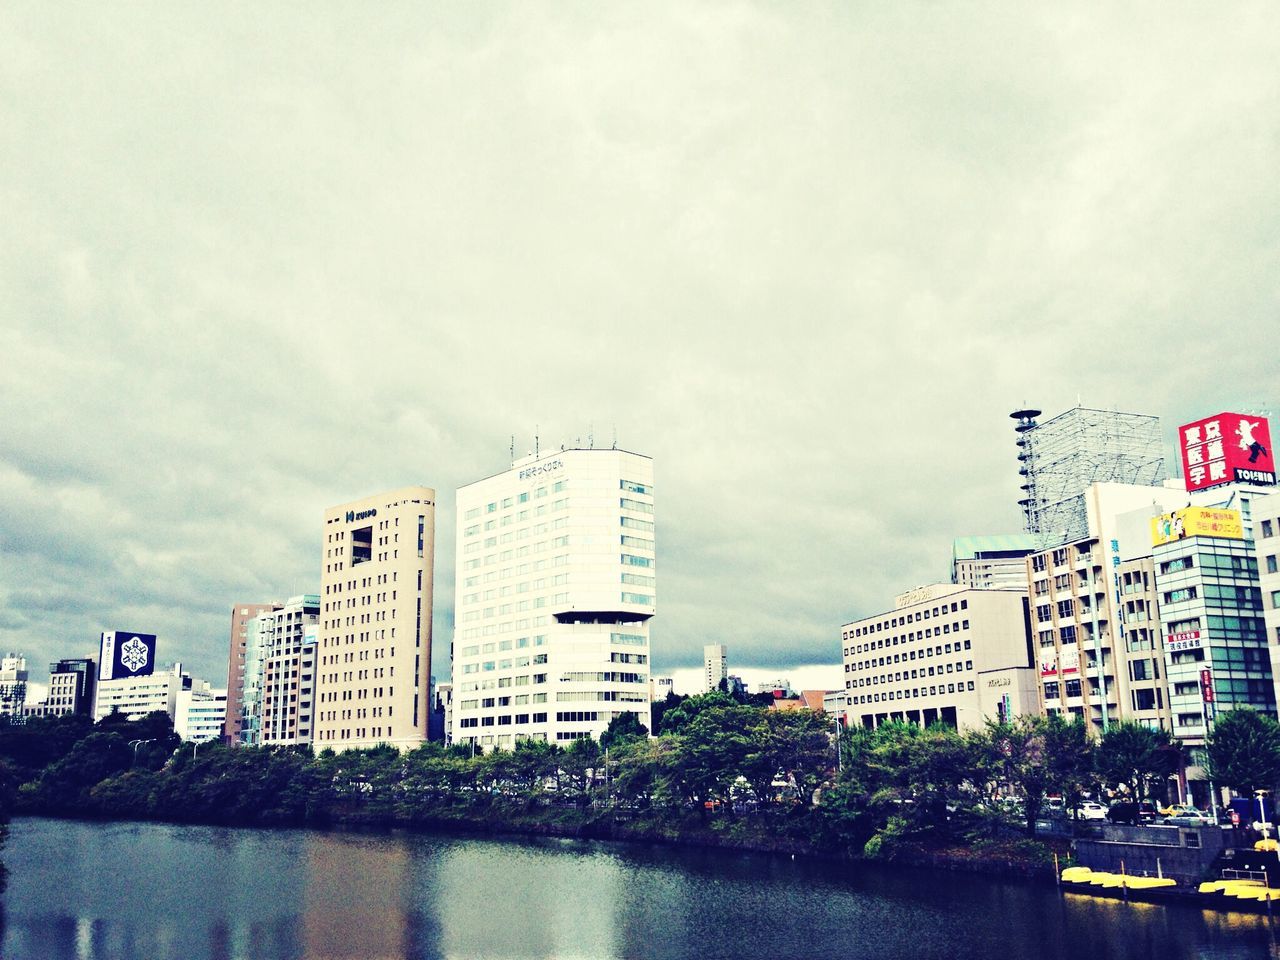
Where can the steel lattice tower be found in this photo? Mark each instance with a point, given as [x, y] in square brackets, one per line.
[1060, 458]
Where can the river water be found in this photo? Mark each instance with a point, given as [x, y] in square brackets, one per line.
[92, 891]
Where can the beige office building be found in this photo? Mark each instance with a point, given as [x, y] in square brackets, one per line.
[945, 654]
[374, 659]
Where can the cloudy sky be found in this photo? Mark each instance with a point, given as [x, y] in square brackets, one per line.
[258, 260]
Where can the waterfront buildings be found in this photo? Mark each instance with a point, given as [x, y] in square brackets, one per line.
[374, 672]
[258, 634]
[136, 696]
[13, 685]
[945, 653]
[991, 562]
[199, 712]
[556, 585]
[1075, 597]
[289, 672]
[243, 670]
[71, 687]
[715, 664]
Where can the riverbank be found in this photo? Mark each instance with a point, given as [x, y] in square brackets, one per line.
[782, 833]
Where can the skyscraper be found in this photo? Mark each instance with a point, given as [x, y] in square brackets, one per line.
[374, 670]
[556, 576]
[715, 663]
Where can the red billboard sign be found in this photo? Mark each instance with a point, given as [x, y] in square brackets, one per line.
[1227, 448]
[1206, 685]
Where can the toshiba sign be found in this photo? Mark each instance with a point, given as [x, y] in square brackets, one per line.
[1227, 448]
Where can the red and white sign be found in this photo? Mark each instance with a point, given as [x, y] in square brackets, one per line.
[1227, 448]
[1188, 640]
[1206, 685]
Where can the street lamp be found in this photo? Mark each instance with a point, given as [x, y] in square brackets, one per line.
[136, 744]
[1262, 813]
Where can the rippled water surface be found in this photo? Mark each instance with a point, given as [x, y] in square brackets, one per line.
[91, 891]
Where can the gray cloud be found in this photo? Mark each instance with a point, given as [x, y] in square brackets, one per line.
[259, 261]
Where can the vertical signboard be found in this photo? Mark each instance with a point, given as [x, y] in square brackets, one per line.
[126, 654]
[1206, 685]
[1227, 448]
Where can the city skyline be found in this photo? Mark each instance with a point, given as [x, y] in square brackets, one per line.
[808, 265]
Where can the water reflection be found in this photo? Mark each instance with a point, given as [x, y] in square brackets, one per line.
[90, 891]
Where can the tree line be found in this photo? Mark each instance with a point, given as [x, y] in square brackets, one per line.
[718, 770]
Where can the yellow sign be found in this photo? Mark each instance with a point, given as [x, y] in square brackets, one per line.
[1196, 522]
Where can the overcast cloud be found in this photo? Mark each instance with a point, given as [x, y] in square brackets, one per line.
[259, 260]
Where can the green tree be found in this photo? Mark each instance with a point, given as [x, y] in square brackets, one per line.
[1243, 751]
[1136, 756]
[678, 716]
[1034, 756]
[623, 727]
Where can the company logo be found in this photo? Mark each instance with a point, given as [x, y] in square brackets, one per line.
[1225, 448]
[541, 469]
[362, 515]
[133, 654]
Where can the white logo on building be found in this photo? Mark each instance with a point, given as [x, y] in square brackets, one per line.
[133, 654]
[1245, 433]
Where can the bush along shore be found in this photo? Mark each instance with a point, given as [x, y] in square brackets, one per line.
[719, 773]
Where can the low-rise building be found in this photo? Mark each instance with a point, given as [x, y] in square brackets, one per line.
[992, 562]
[135, 697]
[921, 662]
[199, 713]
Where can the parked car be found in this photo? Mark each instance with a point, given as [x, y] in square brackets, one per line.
[1130, 811]
[1091, 810]
[1189, 816]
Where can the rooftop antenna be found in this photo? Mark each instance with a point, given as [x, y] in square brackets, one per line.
[615, 437]
[536, 452]
[513, 448]
[591, 436]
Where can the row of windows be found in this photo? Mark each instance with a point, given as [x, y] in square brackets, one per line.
[927, 633]
[903, 620]
[502, 721]
[920, 674]
[906, 656]
[914, 692]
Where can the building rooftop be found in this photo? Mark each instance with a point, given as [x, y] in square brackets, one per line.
[975, 548]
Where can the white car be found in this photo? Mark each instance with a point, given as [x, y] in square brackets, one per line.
[1089, 810]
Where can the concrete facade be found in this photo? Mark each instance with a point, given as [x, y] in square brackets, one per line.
[922, 661]
[374, 674]
[556, 584]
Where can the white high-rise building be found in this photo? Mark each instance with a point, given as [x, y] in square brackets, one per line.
[13, 684]
[199, 713]
[288, 672]
[715, 662]
[373, 676]
[555, 590]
